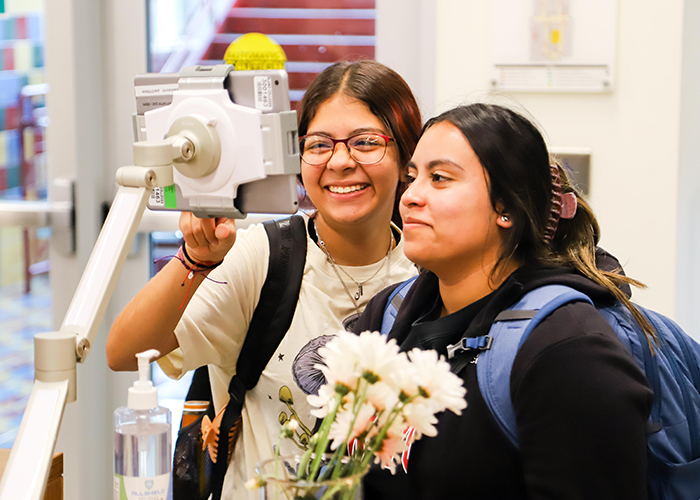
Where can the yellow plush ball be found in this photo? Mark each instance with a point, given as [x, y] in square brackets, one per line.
[255, 51]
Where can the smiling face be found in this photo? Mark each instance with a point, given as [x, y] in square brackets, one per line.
[345, 192]
[449, 224]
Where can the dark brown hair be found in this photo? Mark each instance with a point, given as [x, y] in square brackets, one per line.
[385, 93]
[514, 155]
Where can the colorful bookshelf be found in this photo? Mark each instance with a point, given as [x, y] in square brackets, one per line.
[22, 126]
[21, 100]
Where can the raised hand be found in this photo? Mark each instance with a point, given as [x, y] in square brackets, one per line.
[207, 240]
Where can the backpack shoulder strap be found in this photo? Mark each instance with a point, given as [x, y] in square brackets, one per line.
[393, 303]
[507, 334]
[270, 322]
[278, 297]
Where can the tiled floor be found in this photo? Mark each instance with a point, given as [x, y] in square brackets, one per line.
[21, 317]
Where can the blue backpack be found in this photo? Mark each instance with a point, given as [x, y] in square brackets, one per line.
[672, 371]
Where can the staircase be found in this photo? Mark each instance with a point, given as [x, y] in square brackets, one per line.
[313, 34]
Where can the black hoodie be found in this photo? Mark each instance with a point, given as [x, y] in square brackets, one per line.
[581, 402]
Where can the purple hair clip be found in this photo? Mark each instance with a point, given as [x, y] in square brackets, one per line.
[563, 205]
[569, 204]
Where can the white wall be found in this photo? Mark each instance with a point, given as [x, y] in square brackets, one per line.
[633, 132]
[93, 51]
[124, 50]
[406, 42]
[688, 268]
[74, 62]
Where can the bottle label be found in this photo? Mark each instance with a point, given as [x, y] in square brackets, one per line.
[142, 488]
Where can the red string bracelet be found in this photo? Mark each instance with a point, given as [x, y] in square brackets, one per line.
[193, 269]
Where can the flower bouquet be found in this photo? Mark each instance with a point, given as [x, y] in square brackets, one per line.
[375, 402]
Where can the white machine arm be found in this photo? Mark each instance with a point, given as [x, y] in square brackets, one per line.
[263, 145]
[28, 467]
[56, 353]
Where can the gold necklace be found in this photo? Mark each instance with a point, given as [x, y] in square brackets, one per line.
[359, 285]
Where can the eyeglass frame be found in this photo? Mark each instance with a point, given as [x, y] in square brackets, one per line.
[347, 147]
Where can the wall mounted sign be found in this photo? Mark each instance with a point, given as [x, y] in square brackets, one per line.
[554, 45]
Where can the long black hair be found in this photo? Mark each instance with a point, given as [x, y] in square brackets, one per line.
[518, 165]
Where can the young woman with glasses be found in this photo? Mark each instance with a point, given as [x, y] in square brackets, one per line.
[358, 126]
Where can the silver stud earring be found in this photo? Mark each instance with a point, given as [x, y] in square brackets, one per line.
[505, 218]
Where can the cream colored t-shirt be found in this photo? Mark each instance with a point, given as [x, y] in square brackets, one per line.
[215, 323]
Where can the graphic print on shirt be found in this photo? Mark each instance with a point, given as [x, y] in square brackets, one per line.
[308, 379]
[350, 321]
[306, 376]
[303, 434]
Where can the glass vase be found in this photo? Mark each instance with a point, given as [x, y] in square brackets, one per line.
[282, 482]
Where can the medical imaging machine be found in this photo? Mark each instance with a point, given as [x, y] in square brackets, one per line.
[210, 140]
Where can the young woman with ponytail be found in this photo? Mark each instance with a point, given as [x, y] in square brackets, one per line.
[490, 216]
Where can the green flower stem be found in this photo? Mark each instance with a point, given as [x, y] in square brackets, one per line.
[350, 493]
[340, 451]
[383, 431]
[323, 439]
[380, 437]
[303, 464]
[277, 452]
[335, 459]
[331, 491]
[359, 400]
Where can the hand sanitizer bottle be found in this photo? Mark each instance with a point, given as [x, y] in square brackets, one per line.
[142, 443]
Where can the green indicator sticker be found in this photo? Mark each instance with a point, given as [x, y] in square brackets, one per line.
[168, 194]
[122, 488]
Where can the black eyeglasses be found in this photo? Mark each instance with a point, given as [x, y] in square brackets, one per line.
[365, 148]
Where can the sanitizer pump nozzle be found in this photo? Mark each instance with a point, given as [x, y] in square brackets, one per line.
[143, 396]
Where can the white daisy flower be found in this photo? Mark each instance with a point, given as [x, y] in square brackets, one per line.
[344, 429]
[322, 403]
[381, 392]
[382, 395]
[421, 417]
[377, 356]
[437, 383]
[341, 360]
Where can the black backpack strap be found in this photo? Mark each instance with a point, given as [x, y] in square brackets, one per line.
[270, 322]
[278, 298]
[200, 388]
